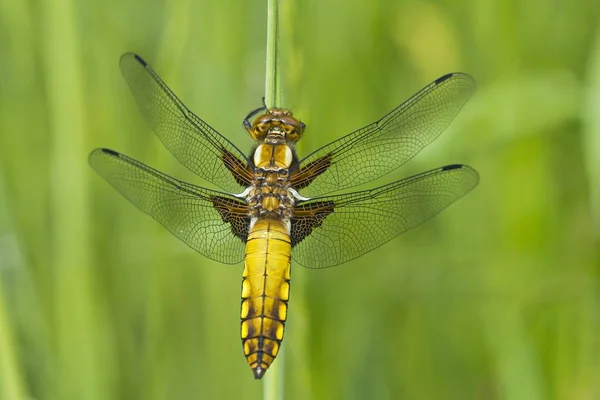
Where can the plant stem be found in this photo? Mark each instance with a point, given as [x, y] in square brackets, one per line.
[273, 380]
[272, 80]
[11, 386]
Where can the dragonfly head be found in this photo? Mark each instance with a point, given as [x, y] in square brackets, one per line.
[276, 122]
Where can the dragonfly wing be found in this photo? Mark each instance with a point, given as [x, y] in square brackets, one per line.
[191, 140]
[383, 146]
[330, 230]
[213, 223]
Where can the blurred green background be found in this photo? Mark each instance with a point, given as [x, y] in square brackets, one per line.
[496, 298]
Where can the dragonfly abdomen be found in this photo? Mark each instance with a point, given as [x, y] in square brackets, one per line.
[265, 292]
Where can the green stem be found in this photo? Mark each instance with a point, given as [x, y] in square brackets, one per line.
[272, 80]
[273, 380]
[10, 378]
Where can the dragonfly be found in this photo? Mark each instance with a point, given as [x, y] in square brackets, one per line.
[273, 206]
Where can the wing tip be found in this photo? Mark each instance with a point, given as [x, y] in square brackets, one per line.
[470, 170]
[106, 151]
[99, 151]
[445, 77]
[140, 60]
[452, 166]
[135, 56]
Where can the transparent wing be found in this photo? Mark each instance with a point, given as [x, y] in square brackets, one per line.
[331, 230]
[210, 222]
[191, 140]
[383, 146]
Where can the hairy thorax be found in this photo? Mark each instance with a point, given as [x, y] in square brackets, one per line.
[271, 193]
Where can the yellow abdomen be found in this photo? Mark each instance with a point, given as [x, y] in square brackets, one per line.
[265, 292]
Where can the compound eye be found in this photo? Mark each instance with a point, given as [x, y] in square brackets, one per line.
[258, 132]
[302, 125]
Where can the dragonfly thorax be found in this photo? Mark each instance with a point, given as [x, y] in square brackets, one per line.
[270, 192]
[270, 199]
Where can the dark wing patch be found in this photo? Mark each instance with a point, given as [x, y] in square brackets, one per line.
[301, 178]
[208, 221]
[308, 216]
[235, 213]
[241, 171]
